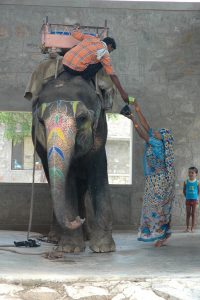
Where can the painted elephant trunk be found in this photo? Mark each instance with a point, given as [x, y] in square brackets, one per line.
[60, 133]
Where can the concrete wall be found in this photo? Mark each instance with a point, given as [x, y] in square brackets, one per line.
[15, 206]
[157, 60]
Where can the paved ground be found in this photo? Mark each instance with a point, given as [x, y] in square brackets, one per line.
[133, 269]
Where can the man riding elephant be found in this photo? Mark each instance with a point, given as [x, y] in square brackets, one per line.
[89, 56]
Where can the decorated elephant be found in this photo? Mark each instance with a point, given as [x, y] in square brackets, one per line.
[70, 132]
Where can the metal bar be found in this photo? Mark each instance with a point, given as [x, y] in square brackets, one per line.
[91, 27]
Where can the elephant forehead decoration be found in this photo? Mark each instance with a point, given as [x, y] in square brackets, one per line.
[59, 106]
[59, 118]
[67, 123]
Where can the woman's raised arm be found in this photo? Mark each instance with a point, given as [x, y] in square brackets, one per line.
[139, 130]
[141, 117]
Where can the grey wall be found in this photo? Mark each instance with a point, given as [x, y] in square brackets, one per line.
[157, 60]
[15, 207]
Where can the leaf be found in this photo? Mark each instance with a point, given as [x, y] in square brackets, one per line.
[113, 117]
[17, 125]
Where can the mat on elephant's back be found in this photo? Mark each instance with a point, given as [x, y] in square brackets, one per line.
[46, 70]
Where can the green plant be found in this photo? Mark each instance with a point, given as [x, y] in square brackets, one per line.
[113, 117]
[17, 125]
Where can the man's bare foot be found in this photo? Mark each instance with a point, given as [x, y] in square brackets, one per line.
[187, 230]
[192, 230]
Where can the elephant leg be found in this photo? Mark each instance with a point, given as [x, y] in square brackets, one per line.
[101, 233]
[71, 241]
[84, 207]
[55, 233]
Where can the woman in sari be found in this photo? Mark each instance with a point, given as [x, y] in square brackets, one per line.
[159, 174]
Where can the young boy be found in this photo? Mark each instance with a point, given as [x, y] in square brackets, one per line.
[191, 191]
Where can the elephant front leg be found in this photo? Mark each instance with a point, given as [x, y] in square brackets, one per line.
[71, 242]
[101, 231]
[68, 241]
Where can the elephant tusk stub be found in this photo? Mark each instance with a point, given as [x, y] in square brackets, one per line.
[78, 222]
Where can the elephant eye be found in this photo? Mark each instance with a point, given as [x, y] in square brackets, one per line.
[81, 119]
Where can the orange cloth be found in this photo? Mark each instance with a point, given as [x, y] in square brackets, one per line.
[191, 202]
[85, 53]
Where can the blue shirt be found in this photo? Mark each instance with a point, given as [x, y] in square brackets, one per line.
[154, 156]
[192, 191]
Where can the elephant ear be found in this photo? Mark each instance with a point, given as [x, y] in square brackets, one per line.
[94, 122]
[105, 89]
[91, 115]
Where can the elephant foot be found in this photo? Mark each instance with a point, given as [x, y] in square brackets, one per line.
[102, 242]
[71, 242]
[54, 236]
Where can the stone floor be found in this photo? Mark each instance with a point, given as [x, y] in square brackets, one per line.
[136, 271]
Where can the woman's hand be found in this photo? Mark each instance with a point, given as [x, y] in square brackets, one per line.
[142, 119]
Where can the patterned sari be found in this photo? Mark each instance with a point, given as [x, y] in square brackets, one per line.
[159, 188]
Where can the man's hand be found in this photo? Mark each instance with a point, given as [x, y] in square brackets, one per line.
[125, 111]
[117, 83]
[124, 96]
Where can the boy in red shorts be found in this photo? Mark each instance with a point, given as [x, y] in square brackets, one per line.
[191, 190]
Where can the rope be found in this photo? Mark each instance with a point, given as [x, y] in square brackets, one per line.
[33, 182]
[56, 70]
[22, 253]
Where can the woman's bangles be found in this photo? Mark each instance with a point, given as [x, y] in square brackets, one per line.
[132, 100]
[126, 111]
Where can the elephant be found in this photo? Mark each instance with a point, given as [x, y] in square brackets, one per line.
[69, 133]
